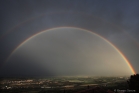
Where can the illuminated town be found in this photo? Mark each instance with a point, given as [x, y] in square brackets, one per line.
[61, 84]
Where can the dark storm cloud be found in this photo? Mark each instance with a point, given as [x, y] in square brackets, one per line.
[25, 18]
[119, 12]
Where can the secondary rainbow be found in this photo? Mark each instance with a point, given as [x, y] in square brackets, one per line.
[121, 54]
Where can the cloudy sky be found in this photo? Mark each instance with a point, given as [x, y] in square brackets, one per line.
[70, 47]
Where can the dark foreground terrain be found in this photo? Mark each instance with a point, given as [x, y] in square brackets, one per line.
[67, 85]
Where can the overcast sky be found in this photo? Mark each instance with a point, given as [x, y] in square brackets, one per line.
[117, 21]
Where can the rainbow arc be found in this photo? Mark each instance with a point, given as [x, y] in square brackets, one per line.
[120, 53]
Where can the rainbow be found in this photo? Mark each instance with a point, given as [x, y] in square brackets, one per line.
[120, 53]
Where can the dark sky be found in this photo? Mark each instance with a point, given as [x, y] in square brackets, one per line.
[117, 21]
